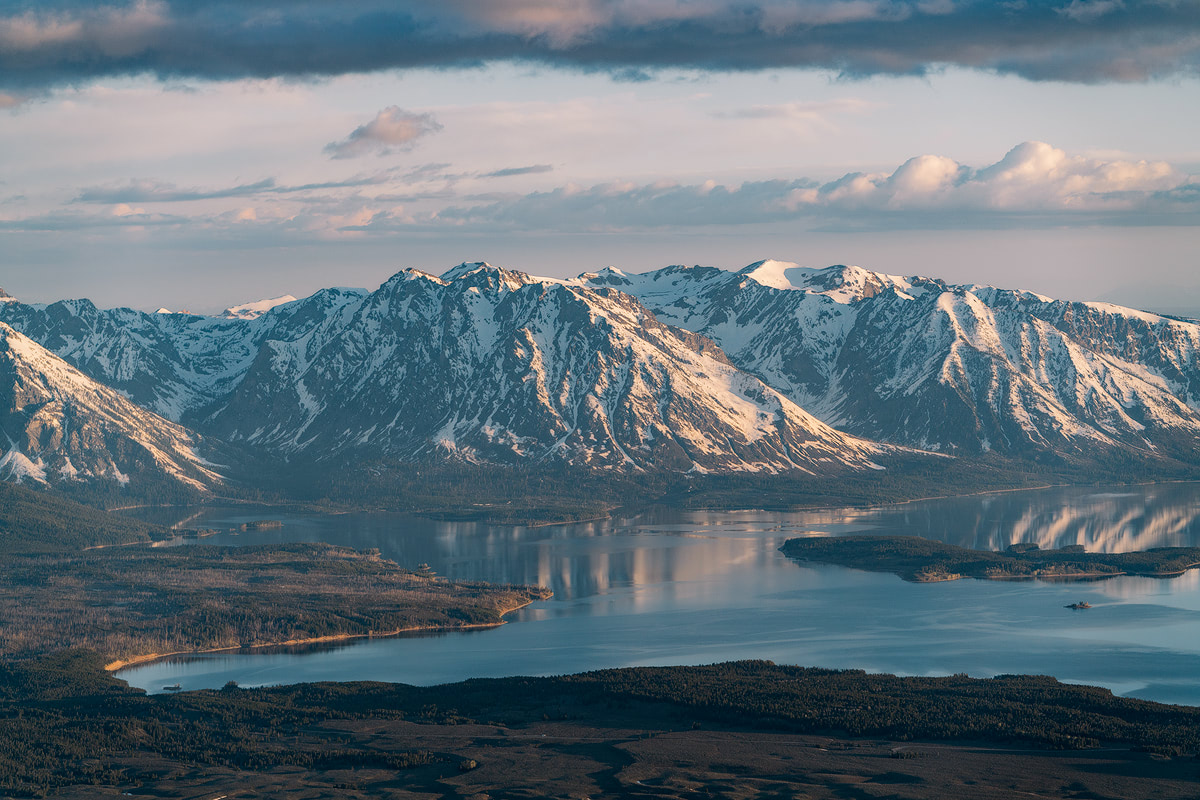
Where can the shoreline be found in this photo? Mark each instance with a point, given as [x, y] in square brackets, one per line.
[149, 658]
[637, 510]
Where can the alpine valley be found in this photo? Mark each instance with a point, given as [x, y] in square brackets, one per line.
[777, 375]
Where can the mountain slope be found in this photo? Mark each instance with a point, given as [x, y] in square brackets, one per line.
[496, 366]
[954, 368]
[172, 364]
[58, 425]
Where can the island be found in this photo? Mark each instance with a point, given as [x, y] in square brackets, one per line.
[260, 525]
[921, 560]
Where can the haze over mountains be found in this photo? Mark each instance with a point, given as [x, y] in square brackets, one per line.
[774, 368]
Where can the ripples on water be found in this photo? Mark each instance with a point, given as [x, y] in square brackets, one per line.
[694, 587]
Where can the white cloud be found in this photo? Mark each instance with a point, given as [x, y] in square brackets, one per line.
[1033, 180]
[1033, 176]
[392, 129]
[1033, 185]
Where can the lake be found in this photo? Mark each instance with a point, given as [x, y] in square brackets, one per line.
[672, 587]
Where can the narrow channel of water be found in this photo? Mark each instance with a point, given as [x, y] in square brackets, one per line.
[697, 587]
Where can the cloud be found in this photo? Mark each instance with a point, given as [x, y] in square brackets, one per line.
[1086, 10]
[57, 42]
[1033, 184]
[119, 216]
[806, 112]
[392, 129]
[147, 191]
[508, 172]
[150, 191]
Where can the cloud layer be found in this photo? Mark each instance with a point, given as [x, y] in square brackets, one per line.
[62, 41]
[1034, 185]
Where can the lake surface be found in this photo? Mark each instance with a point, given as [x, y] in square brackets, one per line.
[671, 587]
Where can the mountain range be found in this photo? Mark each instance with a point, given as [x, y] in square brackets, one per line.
[959, 369]
[775, 368]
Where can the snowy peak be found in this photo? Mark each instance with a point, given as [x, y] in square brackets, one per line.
[845, 284]
[956, 368]
[482, 274]
[489, 365]
[773, 273]
[468, 268]
[173, 364]
[59, 425]
[609, 276]
[677, 369]
[5, 297]
[256, 308]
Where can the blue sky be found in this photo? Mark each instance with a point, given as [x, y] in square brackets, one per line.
[195, 155]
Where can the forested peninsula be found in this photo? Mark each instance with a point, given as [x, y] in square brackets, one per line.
[921, 560]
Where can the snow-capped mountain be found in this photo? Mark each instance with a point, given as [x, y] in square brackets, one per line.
[497, 366]
[256, 308]
[618, 370]
[952, 368]
[59, 425]
[171, 363]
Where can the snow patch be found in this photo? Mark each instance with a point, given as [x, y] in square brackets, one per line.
[16, 466]
[1122, 311]
[256, 308]
[772, 273]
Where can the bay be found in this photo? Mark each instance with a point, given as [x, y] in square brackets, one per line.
[673, 587]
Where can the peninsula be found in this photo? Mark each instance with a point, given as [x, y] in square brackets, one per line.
[133, 604]
[923, 560]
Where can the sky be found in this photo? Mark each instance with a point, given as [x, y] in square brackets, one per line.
[196, 154]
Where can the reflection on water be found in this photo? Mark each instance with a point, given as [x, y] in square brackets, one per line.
[695, 587]
[1108, 522]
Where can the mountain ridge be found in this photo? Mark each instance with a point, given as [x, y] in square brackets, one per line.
[775, 367]
[494, 365]
[920, 362]
[59, 425]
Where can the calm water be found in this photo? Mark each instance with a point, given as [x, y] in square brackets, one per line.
[698, 587]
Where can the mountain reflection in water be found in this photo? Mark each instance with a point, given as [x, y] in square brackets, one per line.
[593, 558]
[671, 587]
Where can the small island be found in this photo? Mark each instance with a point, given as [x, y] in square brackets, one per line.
[924, 561]
[260, 525]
